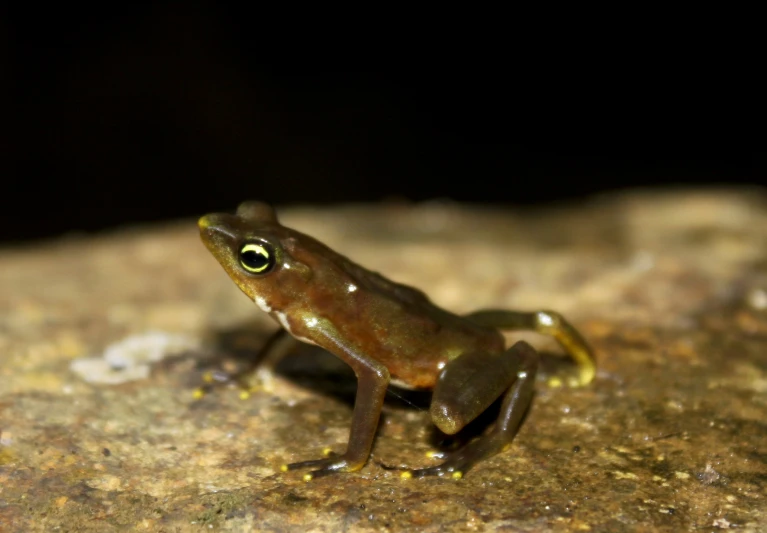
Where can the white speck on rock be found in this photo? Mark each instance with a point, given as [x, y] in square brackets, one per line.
[757, 299]
[721, 523]
[130, 359]
[709, 475]
[642, 261]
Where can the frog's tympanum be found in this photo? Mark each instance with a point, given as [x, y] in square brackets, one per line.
[388, 333]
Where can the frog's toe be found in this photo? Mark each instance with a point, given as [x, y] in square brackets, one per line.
[322, 472]
[330, 464]
[436, 454]
[314, 463]
[218, 378]
[454, 471]
[457, 463]
[455, 466]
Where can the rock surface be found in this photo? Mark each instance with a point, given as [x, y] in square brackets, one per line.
[104, 339]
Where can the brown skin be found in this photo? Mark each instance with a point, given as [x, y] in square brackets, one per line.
[387, 332]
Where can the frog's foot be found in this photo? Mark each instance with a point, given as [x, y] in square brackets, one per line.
[547, 323]
[255, 374]
[214, 379]
[331, 464]
[459, 462]
[482, 376]
[570, 380]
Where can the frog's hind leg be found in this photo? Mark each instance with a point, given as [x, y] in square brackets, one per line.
[470, 384]
[547, 323]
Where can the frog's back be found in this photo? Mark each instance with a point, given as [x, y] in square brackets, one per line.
[321, 258]
[395, 323]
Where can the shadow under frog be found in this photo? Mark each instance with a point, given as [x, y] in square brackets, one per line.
[323, 373]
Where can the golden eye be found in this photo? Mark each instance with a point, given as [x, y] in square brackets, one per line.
[256, 258]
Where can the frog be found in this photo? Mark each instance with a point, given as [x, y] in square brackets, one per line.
[389, 334]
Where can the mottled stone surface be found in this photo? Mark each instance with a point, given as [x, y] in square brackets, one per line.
[670, 288]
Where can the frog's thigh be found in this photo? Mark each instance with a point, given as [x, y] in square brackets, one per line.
[469, 384]
[547, 323]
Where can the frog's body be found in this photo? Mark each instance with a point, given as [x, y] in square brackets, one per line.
[387, 332]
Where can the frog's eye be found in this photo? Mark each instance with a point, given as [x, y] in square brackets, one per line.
[257, 258]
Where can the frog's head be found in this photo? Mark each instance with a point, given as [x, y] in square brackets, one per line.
[249, 246]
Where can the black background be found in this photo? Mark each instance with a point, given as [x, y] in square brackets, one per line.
[127, 113]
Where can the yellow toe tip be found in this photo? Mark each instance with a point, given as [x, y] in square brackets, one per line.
[244, 395]
[457, 474]
[283, 468]
[307, 477]
[198, 393]
[326, 451]
[555, 383]
[406, 475]
[586, 377]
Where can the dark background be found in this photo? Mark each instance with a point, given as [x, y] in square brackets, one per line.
[125, 114]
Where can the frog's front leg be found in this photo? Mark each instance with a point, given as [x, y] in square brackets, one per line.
[372, 381]
[470, 384]
[547, 323]
[261, 365]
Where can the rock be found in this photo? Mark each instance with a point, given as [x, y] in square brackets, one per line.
[669, 287]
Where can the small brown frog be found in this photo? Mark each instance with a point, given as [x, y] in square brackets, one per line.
[388, 333]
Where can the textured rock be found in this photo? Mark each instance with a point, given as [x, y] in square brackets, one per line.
[670, 288]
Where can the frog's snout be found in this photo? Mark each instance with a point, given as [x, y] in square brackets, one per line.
[216, 227]
[205, 222]
[208, 227]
